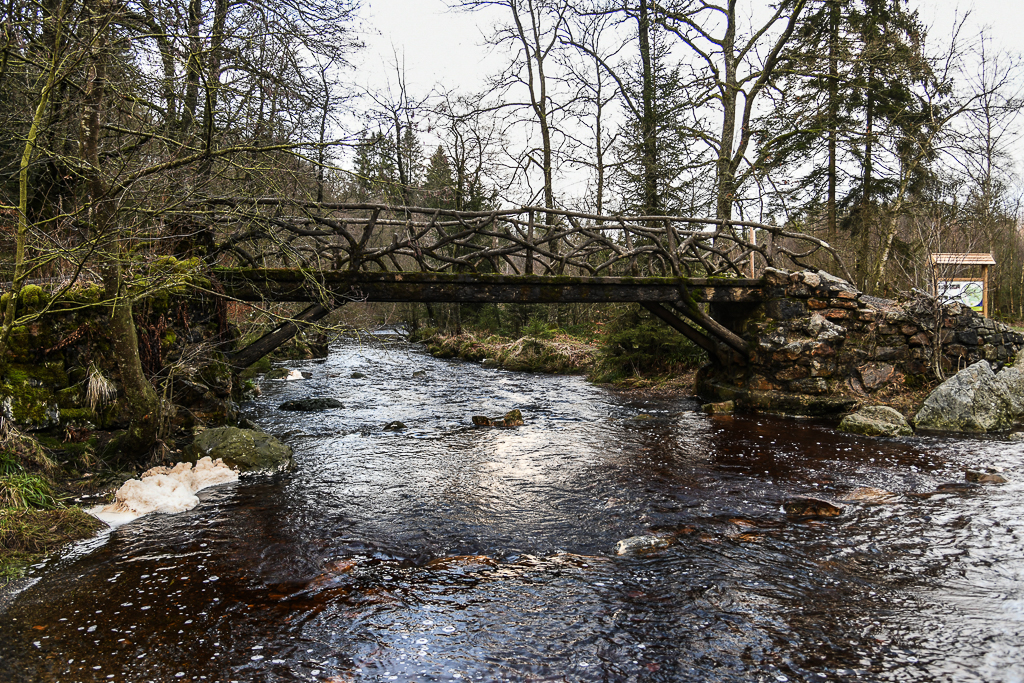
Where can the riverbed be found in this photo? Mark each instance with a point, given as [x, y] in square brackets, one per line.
[446, 552]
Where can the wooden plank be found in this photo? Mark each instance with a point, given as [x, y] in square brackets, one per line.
[289, 285]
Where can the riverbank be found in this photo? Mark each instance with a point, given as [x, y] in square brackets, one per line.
[42, 480]
[569, 355]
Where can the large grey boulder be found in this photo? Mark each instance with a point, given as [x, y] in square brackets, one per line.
[876, 421]
[974, 400]
[246, 450]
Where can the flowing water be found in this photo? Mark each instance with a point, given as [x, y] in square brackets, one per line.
[447, 552]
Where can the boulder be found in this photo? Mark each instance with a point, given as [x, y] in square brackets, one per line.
[357, 375]
[311, 404]
[394, 426]
[876, 421]
[973, 400]
[419, 373]
[512, 418]
[245, 450]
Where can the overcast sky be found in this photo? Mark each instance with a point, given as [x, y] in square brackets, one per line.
[445, 47]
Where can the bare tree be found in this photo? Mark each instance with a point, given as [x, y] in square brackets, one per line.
[739, 62]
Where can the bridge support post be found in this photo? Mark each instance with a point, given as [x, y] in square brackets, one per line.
[724, 354]
[279, 335]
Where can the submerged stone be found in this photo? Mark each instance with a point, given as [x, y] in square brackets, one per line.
[812, 507]
[984, 477]
[357, 375]
[870, 495]
[720, 408]
[394, 426]
[311, 404]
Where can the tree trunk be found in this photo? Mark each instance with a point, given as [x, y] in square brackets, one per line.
[726, 178]
[141, 398]
[833, 110]
[648, 123]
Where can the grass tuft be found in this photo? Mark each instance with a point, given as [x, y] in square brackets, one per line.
[99, 391]
[23, 491]
[27, 534]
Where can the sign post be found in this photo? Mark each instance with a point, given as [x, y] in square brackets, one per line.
[969, 291]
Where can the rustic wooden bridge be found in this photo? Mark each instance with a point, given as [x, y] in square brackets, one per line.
[329, 254]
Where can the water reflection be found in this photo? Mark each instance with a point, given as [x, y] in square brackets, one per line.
[451, 553]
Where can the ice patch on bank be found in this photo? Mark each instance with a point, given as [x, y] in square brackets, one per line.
[164, 489]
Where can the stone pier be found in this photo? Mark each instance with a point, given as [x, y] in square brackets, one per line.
[819, 346]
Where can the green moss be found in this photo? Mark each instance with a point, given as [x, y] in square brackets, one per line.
[160, 301]
[16, 375]
[77, 415]
[21, 341]
[88, 294]
[30, 405]
[70, 397]
[49, 374]
[261, 366]
[169, 339]
[33, 296]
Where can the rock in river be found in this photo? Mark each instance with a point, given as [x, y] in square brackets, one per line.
[642, 544]
[812, 507]
[512, 418]
[984, 477]
[245, 450]
[394, 426]
[974, 400]
[876, 421]
[311, 404]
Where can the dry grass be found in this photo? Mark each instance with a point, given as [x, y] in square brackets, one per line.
[561, 355]
[99, 391]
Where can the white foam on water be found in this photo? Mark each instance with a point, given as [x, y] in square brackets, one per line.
[294, 375]
[164, 489]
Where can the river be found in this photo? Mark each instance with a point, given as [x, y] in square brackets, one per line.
[447, 552]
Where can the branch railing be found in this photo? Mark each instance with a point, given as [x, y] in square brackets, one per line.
[274, 232]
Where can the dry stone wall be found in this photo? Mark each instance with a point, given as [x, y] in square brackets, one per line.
[820, 346]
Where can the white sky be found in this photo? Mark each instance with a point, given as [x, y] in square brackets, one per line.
[444, 48]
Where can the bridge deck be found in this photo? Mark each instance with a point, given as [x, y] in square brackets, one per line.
[292, 285]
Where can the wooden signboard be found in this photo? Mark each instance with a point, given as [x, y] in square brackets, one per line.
[969, 291]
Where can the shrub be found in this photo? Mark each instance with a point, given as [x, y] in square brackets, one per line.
[636, 344]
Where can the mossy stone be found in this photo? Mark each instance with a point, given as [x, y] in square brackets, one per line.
[244, 449]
